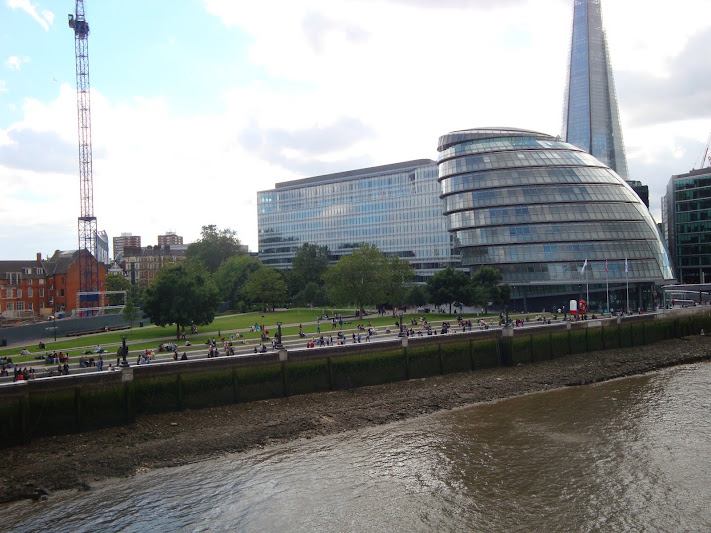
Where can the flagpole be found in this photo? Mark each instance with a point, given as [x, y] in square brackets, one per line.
[587, 288]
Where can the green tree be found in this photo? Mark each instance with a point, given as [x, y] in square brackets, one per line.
[214, 247]
[310, 264]
[488, 287]
[448, 286]
[397, 273]
[181, 294]
[359, 278]
[117, 282]
[416, 296]
[311, 295]
[232, 275]
[130, 313]
[266, 286]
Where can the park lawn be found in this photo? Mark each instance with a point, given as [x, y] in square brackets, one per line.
[151, 336]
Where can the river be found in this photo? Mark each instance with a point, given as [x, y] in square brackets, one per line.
[625, 455]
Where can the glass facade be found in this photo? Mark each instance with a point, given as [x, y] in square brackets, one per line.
[395, 207]
[591, 117]
[686, 219]
[536, 208]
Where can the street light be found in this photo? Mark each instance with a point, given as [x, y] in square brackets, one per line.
[124, 351]
[54, 327]
[401, 333]
[278, 344]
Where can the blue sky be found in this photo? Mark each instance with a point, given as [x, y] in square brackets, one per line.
[198, 104]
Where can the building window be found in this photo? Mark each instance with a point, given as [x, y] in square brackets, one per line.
[30, 292]
[41, 291]
[61, 292]
[8, 306]
[19, 293]
[30, 306]
[42, 305]
[41, 281]
[10, 293]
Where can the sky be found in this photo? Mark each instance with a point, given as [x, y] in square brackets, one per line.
[196, 105]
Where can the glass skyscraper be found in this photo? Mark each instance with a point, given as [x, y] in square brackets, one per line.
[538, 209]
[395, 207]
[686, 219]
[590, 115]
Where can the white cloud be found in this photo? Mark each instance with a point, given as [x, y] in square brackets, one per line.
[15, 62]
[45, 18]
[3, 86]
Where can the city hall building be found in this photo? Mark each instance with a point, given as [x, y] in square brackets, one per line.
[539, 209]
[395, 207]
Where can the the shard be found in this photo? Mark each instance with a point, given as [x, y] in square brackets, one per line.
[591, 119]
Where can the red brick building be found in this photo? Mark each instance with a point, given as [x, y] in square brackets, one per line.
[42, 287]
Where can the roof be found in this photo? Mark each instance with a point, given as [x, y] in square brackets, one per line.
[456, 137]
[19, 266]
[60, 262]
[357, 174]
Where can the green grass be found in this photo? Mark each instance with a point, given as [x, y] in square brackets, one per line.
[151, 336]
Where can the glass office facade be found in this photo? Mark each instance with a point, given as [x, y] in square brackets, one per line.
[686, 219]
[591, 118]
[536, 208]
[395, 207]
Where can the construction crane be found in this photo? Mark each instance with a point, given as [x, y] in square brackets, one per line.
[88, 265]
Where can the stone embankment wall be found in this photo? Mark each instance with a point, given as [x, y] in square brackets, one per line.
[89, 401]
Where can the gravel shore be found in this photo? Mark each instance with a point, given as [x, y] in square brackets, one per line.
[154, 441]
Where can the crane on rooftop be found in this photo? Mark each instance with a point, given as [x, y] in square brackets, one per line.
[88, 266]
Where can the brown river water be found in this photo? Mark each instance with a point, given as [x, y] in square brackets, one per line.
[626, 455]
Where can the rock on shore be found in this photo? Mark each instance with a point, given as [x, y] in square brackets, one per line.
[172, 439]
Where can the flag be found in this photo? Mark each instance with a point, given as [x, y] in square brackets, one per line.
[627, 267]
[606, 269]
[584, 265]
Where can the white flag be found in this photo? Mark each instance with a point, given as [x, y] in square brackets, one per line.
[627, 267]
[584, 265]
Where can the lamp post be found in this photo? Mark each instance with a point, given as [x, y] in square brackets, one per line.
[279, 345]
[54, 327]
[124, 351]
[401, 333]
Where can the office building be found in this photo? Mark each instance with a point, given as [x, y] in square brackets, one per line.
[538, 209]
[686, 219]
[395, 207]
[102, 247]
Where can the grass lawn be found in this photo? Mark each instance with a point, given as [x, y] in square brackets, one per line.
[151, 336]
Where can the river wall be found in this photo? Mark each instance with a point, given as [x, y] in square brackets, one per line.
[77, 403]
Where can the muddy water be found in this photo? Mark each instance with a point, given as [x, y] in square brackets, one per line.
[627, 455]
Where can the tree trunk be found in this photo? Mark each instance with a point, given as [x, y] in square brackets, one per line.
[177, 331]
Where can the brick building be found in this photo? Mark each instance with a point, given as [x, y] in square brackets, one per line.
[140, 265]
[42, 287]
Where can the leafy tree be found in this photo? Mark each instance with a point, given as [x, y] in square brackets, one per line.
[181, 294]
[311, 295]
[117, 282]
[232, 275]
[488, 287]
[130, 313]
[266, 286]
[362, 277]
[214, 247]
[310, 264]
[448, 286]
[416, 296]
[397, 273]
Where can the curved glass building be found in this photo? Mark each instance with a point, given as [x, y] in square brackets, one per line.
[554, 220]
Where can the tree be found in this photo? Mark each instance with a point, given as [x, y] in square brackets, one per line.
[416, 296]
[488, 287]
[310, 264]
[266, 286]
[311, 295]
[397, 273]
[448, 286]
[117, 282]
[130, 313]
[232, 275]
[214, 247]
[360, 277]
[182, 294]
